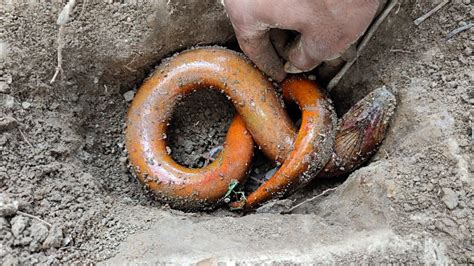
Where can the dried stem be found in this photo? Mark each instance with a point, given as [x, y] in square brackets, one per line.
[459, 30]
[24, 138]
[419, 20]
[309, 200]
[334, 81]
[34, 217]
[63, 19]
[59, 67]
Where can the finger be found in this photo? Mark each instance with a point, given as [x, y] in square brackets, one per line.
[281, 40]
[300, 57]
[259, 49]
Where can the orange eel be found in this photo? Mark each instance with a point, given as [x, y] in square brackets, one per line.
[315, 148]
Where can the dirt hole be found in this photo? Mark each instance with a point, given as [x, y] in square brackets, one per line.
[198, 128]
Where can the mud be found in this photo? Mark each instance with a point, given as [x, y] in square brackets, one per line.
[67, 195]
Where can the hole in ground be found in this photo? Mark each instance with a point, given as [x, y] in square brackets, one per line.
[199, 124]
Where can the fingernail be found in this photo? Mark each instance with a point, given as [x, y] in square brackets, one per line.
[290, 68]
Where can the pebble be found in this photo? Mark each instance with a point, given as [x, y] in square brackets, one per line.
[4, 87]
[19, 224]
[450, 198]
[25, 105]
[468, 51]
[123, 160]
[55, 238]
[128, 96]
[466, 2]
[7, 101]
[8, 207]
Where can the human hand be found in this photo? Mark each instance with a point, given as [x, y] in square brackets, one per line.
[326, 29]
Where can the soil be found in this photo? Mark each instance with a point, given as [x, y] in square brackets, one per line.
[66, 194]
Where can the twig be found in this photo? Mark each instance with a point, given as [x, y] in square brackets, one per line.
[419, 20]
[401, 51]
[459, 30]
[24, 138]
[398, 8]
[34, 217]
[310, 199]
[59, 67]
[63, 18]
[334, 81]
[84, 4]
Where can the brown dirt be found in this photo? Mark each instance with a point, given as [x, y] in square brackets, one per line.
[62, 156]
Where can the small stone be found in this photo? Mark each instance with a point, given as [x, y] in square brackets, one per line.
[74, 98]
[450, 198]
[67, 240]
[468, 51]
[55, 238]
[25, 105]
[8, 207]
[123, 160]
[39, 232]
[4, 87]
[128, 96]
[7, 101]
[19, 224]
[466, 2]
[7, 123]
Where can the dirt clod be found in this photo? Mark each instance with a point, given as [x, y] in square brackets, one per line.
[19, 224]
[450, 198]
[7, 123]
[39, 232]
[8, 206]
[54, 238]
